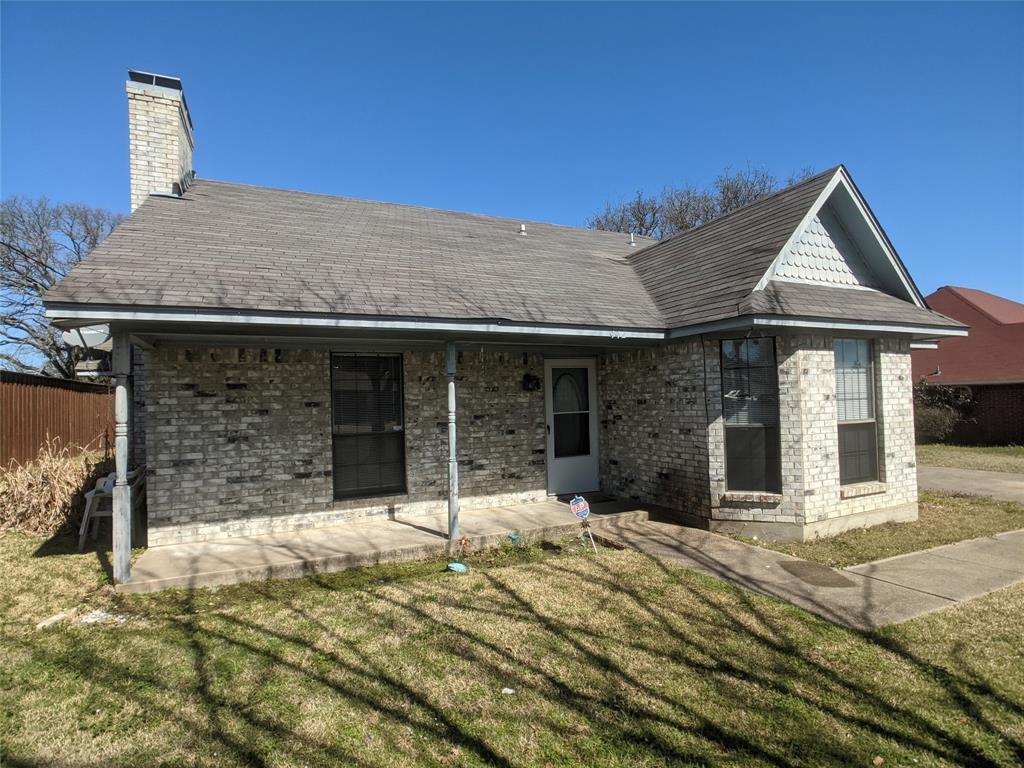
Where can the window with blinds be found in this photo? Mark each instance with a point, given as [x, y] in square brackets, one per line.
[855, 410]
[369, 427]
[750, 405]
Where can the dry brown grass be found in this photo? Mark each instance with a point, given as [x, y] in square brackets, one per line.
[995, 458]
[943, 518]
[45, 496]
[616, 660]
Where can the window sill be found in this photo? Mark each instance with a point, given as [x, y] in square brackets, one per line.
[751, 497]
[862, 489]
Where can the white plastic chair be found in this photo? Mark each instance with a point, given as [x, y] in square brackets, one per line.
[99, 502]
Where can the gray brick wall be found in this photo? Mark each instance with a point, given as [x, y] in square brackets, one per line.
[138, 408]
[653, 425]
[239, 440]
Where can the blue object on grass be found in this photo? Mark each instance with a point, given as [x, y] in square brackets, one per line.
[515, 538]
[458, 567]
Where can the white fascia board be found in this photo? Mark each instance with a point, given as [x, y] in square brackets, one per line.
[774, 321]
[313, 321]
[716, 326]
[840, 178]
[925, 331]
[924, 345]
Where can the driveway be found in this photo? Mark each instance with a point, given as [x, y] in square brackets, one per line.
[863, 597]
[998, 485]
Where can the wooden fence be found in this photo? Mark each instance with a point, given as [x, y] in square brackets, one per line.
[34, 408]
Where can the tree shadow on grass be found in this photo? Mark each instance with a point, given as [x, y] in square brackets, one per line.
[67, 544]
[728, 667]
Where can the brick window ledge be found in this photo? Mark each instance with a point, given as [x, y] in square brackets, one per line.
[751, 497]
[861, 489]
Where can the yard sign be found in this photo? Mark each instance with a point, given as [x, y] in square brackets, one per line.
[581, 508]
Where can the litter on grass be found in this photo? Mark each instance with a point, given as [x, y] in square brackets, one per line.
[100, 616]
[458, 567]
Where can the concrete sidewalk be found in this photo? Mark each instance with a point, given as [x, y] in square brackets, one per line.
[364, 542]
[864, 597]
[956, 571]
[998, 485]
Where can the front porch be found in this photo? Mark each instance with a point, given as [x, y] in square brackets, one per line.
[367, 542]
[271, 441]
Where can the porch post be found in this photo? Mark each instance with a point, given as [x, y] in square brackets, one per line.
[453, 463]
[121, 522]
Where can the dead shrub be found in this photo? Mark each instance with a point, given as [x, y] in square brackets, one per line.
[46, 496]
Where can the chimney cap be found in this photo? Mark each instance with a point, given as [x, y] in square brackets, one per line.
[150, 78]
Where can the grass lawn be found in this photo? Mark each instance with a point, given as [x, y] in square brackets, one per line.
[997, 458]
[942, 519]
[615, 660]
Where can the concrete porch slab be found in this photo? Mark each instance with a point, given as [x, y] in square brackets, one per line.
[362, 542]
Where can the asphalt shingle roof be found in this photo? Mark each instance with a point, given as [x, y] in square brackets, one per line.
[235, 247]
[703, 274]
[834, 303]
[250, 248]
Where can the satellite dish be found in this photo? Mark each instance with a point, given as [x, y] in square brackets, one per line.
[91, 337]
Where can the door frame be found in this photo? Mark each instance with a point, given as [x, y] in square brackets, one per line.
[590, 363]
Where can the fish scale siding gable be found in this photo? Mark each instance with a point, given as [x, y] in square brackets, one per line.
[824, 253]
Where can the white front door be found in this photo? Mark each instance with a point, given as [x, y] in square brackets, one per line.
[570, 396]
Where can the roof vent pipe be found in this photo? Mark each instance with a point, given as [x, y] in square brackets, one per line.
[522, 229]
[632, 242]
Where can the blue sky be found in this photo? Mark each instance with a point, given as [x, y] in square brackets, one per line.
[544, 112]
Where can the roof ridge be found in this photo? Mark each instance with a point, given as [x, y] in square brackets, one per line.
[767, 198]
[411, 206]
[959, 291]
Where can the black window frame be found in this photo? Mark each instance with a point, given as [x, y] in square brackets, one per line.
[857, 463]
[369, 436]
[749, 435]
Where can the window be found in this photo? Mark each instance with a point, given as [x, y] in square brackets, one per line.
[570, 405]
[855, 407]
[750, 403]
[369, 439]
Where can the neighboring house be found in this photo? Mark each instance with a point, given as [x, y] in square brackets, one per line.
[990, 363]
[305, 360]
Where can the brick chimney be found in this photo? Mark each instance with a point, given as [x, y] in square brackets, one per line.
[160, 136]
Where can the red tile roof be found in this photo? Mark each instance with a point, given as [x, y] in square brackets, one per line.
[992, 352]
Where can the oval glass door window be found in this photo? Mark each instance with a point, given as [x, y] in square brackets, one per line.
[570, 406]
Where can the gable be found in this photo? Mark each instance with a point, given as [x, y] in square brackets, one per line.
[823, 254]
[839, 243]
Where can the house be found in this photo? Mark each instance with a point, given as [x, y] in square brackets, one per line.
[301, 360]
[990, 363]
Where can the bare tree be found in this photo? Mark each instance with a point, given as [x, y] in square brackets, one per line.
[39, 244]
[641, 216]
[677, 209]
